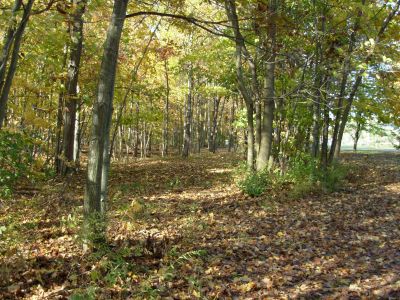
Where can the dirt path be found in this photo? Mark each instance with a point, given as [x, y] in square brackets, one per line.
[189, 233]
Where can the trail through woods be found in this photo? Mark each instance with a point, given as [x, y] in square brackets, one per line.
[186, 232]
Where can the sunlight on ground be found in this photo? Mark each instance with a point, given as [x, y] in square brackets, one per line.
[219, 171]
[188, 231]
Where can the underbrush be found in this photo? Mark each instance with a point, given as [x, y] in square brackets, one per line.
[15, 160]
[117, 272]
[250, 182]
[304, 176]
[18, 163]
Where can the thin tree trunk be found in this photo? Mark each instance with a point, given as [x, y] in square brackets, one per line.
[136, 148]
[358, 81]
[188, 117]
[317, 84]
[166, 113]
[325, 128]
[200, 125]
[231, 127]
[76, 137]
[73, 65]
[8, 40]
[60, 108]
[345, 116]
[343, 84]
[131, 82]
[209, 136]
[213, 133]
[98, 161]
[6, 87]
[230, 7]
[357, 135]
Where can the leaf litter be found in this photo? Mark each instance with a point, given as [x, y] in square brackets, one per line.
[182, 230]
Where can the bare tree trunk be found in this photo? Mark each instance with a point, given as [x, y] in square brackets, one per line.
[98, 161]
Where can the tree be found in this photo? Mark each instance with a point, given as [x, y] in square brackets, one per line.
[71, 94]
[99, 159]
[13, 37]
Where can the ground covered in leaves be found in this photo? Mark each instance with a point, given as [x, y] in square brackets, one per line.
[182, 230]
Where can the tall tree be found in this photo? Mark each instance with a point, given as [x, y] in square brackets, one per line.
[16, 45]
[99, 159]
[230, 8]
[188, 115]
[269, 88]
[359, 77]
[71, 94]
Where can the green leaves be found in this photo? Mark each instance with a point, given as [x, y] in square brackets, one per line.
[15, 160]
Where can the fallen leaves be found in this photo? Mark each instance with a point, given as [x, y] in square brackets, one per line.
[331, 246]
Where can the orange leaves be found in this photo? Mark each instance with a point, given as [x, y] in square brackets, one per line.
[221, 245]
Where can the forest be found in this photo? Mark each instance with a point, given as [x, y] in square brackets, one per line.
[188, 149]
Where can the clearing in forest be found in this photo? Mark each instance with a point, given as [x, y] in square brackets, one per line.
[181, 229]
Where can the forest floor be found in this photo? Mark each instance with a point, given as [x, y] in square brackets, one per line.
[182, 230]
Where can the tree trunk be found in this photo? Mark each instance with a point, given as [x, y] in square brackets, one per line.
[325, 129]
[60, 107]
[200, 125]
[213, 129]
[6, 87]
[188, 117]
[318, 83]
[345, 116]
[136, 148]
[230, 7]
[231, 127]
[358, 81]
[129, 89]
[357, 135]
[343, 85]
[98, 160]
[8, 40]
[269, 103]
[76, 35]
[166, 113]
[77, 133]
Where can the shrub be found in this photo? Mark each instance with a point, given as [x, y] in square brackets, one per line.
[333, 176]
[307, 176]
[252, 183]
[302, 168]
[15, 160]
